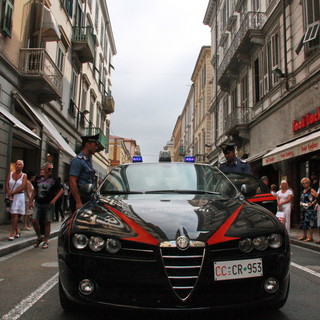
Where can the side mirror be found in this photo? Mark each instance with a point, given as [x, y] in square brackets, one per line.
[247, 190]
[87, 189]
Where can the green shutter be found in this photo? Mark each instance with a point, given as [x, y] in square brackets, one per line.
[7, 18]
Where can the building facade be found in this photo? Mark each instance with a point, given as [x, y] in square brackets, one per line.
[55, 83]
[266, 82]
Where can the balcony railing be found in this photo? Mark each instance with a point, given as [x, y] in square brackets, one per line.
[252, 21]
[36, 65]
[83, 42]
[238, 118]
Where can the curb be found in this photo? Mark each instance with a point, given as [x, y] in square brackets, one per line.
[307, 245]
[13, 247]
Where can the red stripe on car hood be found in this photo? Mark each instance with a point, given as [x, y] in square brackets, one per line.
[262, 197]
[219, 235]
[142, 235]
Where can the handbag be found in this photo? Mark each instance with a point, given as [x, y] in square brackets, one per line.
[280, 216]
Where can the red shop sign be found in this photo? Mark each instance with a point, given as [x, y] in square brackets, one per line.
[307, 120]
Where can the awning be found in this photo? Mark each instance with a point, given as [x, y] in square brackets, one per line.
[256, 156]
[47, 124]
[17, 123]
[293, 149]
[50, 29]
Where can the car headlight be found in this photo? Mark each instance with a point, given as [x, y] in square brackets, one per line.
[96, 243]
[260, 243]
[80, 241]
[245, 245]
[275, 241]
[113, 245]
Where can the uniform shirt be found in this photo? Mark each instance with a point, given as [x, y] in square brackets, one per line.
[46, 189]
[81, 167]
[239, 166]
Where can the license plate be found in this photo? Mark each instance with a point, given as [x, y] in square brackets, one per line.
[238, 269]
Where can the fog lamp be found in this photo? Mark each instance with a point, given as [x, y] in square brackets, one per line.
[86, 286]
[80, 241]
[96, 243]
[113, 245]
[245, 245]
[275, 241]
[260, 243]
[271, 285]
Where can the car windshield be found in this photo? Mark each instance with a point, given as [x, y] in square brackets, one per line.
[167, 178]
[250, 181]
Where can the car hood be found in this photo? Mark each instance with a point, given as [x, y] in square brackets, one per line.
[153, 219]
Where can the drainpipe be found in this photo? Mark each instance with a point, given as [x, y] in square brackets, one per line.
[216, 74]
[286, 72]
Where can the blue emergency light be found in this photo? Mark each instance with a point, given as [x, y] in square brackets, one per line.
[189, 159]
[136, 159]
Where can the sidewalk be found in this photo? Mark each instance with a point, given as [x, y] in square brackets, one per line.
[27, 238]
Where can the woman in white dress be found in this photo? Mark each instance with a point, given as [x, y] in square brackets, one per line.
[284, 197]
[16, 184]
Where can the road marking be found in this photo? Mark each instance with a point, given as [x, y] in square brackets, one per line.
[314, 273]
[28, 302]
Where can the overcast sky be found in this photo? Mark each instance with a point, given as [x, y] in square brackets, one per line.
[158, 43]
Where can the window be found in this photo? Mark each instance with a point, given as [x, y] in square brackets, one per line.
[225, 109]
[234, 99]
[68, 6]
[73, 93]
[60, 57]
[244, 91]
[6, 12]
[255, 5]
[203, 76]
[311, 36]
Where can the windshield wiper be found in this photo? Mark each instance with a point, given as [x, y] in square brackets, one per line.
[122, 192]
[184, 191]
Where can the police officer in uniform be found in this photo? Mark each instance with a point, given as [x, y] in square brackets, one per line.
[81, 170]
[232, 163]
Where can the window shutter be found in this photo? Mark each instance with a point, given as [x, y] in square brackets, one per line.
[7, 18]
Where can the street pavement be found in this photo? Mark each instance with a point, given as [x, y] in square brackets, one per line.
[28, 238]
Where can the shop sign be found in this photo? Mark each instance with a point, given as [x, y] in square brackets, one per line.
[307, 120]
[294, 151]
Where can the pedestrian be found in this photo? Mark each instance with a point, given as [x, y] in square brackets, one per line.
[308, 202]
[46, 192]
[28, 196]
[58, 205]
[232, 163]
[82, 172]
[314, 181]
[15, 186]
[265, 180]
[66, 194]
[318, 213]
[284, 199]
[273, 189]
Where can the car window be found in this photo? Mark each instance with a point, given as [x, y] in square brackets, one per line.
[250, 181]
[167, 176]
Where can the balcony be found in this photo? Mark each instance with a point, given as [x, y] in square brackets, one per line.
[83, 43]
[237, 121]
[107, 104]
[248, 35]
[41, 77]
[92, 131]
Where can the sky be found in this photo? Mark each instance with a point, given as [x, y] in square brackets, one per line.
[158, 43]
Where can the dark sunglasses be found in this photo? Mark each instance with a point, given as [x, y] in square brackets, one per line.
[49, 169]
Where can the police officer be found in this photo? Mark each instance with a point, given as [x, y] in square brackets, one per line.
[81, 170]
[232, 163]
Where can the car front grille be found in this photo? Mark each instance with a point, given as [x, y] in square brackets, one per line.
[182, 268]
